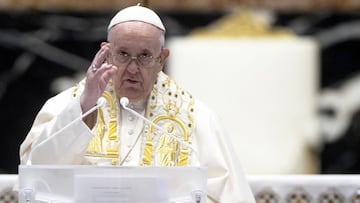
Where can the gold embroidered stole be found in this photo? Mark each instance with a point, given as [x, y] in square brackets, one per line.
[168, 106]
[171, 108]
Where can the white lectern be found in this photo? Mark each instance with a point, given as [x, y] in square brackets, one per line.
[110, 184]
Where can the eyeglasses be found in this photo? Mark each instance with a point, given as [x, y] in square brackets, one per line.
[143, 60]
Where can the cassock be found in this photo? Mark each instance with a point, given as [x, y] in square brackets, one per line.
[122, 138]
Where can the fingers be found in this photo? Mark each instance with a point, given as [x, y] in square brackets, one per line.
[99, 58]
[98, 75]
[107, 71]
[97, 80]
[105, 68]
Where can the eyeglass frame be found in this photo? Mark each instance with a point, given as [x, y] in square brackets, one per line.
[136, 58]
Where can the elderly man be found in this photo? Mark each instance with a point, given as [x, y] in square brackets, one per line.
[130, 65]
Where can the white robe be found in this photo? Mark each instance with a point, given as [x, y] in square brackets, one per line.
[226, 181]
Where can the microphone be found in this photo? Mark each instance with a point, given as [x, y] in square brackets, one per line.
[100, 102]
[124, 101]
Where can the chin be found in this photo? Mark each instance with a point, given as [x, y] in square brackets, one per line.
[133, 98]
[133, 94]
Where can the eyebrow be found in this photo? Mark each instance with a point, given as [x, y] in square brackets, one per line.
[124, 49]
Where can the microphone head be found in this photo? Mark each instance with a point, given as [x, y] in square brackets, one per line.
[124, 101]
[101, 101]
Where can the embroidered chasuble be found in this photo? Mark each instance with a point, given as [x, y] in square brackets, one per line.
[168, 106]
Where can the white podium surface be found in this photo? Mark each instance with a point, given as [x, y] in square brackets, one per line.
[98, 184]
[264, 90]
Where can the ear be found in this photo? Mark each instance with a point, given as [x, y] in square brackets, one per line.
[164, 54]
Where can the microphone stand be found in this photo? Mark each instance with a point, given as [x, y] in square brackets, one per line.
[101, 101]
[125, 101]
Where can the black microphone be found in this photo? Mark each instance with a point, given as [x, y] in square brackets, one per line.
[100, 102]
[124, 101]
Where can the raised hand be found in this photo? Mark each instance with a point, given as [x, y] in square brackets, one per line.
[98, 75]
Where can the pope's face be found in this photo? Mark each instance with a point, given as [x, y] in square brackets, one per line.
[134, 40]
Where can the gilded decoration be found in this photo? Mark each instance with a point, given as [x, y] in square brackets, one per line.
[267, 195]
[242, 23]
[298, 195]
[168, 106]
[332, 195]
[176, 118]
[107, 123]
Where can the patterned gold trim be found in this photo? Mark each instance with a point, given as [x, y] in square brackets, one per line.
[7, 195]
[331, 195]
[267, 195]
[95, 145]
[171, 108]
[298, 195]
[168, 106]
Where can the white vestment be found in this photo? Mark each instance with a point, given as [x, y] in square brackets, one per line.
[226, 180]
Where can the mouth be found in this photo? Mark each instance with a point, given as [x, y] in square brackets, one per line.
[131, 81]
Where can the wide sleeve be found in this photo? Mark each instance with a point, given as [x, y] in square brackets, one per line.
[226, 179]
[57, 136]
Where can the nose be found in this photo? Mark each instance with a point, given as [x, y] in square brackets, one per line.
[133, 66]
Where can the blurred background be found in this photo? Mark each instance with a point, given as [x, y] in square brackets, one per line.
[282, 74]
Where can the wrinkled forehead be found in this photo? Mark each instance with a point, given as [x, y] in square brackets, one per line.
[136, 35]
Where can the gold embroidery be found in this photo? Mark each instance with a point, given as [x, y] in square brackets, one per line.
[95, 145]
[176, 120]
[169, 107]
[166, 109]
[75, 90]
[183, 157]
[147, 159]
[113, 143]
[112, 148]
[167, 147]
